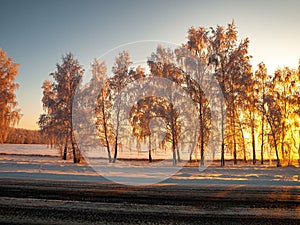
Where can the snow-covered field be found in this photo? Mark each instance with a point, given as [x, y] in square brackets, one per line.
[41, 162]
[23, 149]
[38, 187]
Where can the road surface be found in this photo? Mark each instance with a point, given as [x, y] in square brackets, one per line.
[38, 201]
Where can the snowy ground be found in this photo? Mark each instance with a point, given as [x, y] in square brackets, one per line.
[37, 187]
[40, 162]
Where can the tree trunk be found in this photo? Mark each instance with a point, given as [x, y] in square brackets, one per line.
[150, 156]
[223, 143]
[65, 149]
[178, 154]
[244, 146]
[234, 136]
[253, 142]
[108, 153]
[105, 131]
[116, 149]
[191, 153]
[76, 157]
[234, 151]
[174, 137]
[194, 149]
[202, 145]
[174, 149]
[107, 146]
[175, 143]
[117, 134]
[202, 157]
[282, 141]
[299, 155]
[276, 151]
[201, 131]
[222, 154]
[174, 156]
[213, 154]
[262, 140]
[290, 158]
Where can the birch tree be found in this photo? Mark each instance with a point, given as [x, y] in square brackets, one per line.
[261, 89]
[66, 79]
[9, 114]
[273, 116]
[162, 64]
[285, 85]
[230, 60]
[103, 106]
[119, 80]
[194, 58]
[46, 121]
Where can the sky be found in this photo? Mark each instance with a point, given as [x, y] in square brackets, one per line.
[36, 33]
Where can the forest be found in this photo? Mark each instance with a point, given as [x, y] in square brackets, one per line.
[25, 136]
[258, 112]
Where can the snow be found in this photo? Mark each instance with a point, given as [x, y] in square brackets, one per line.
[41, 162]
[23, 149]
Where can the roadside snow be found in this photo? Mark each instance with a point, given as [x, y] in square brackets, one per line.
[40, 162]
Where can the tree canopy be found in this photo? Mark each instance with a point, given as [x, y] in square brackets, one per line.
[9, 114]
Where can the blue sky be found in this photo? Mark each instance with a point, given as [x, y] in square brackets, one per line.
[36, 33]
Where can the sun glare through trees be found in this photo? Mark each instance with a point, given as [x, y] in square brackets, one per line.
[259, 119]
[260, 110]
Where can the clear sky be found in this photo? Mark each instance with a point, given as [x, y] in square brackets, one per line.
[38, 32]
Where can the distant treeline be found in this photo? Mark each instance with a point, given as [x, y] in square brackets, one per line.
[24, 136]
